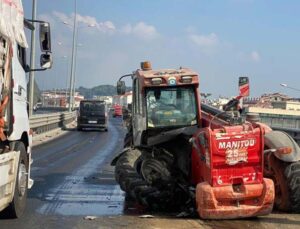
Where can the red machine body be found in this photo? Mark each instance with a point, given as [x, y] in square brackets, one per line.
[227, 170]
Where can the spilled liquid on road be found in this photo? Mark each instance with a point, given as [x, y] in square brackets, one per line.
[86, 193]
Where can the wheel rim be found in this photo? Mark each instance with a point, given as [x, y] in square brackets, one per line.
[22, 179]
[153, 170]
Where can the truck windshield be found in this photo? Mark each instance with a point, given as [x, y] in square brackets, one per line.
[87, 107]
[171, 107]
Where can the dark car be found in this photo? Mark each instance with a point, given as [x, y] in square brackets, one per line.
[92, 114]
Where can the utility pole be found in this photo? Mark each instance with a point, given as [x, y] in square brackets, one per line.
[74, 79]
[71, 98]
[32, 61]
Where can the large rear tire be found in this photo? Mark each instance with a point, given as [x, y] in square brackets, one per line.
[286, 177]
[138, 189]
[17, 206]
[292, 173]
[131, 182]
[125, 171]
[284, 170]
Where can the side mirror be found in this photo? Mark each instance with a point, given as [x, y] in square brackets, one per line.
[45, 37]
[121, 87]
[46, 61]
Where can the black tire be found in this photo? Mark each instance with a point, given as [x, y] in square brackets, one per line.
[105, 129]
[137, 188]
[286, 175]
[292, 173]
[79, 128]
[18, 205]
[124, 169]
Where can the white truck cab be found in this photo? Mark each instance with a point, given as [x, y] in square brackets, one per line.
[15, 133]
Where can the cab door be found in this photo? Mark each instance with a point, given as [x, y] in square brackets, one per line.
[137, 118]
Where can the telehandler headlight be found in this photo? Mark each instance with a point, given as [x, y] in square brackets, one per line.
[186, 79]
[156, 81]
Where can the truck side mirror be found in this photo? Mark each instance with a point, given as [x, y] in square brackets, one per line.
[121, 87]
[46, 61]
[45, 37]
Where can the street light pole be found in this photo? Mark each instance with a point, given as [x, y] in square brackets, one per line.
[67, 74]
[285, 85]
[32, 62]
[71, 98]
[75, 67]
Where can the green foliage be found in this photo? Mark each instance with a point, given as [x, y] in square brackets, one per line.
[101, 90]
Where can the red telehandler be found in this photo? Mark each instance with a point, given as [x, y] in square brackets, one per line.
[181, 154]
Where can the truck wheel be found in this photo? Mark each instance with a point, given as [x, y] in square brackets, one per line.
[17, 206]
[124, 170]
[292, 173]
[286, 177]
[136, 187]
[284, 172]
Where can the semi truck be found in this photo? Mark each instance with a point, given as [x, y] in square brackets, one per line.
[15, 133]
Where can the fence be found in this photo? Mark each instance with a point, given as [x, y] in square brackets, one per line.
[45, 122]
[287, 123]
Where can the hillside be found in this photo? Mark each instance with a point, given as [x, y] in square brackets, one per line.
[101, 90]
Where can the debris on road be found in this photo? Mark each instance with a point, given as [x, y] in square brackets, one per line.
[146, 216]
[90, 217]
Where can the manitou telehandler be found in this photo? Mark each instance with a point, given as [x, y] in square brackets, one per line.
[181, 154]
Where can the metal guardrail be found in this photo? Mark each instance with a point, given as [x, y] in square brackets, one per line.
[281, 121]
[287, 123]
[45, 122]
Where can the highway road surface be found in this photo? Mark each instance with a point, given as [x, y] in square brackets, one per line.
[75, 188]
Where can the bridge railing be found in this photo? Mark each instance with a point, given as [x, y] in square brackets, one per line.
[44, 122]
[287, 123]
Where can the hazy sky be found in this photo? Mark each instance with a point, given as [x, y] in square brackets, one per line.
[221, 40]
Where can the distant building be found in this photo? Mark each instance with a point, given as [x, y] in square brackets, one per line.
[265, 101]
[54, 98]
[218, 103]
[107, 99]
[123, 100]
[77, 99]
[286, 105]
[276, 103]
